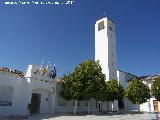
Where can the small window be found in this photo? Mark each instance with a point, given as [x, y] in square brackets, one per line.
[101, 25]
[6, 95]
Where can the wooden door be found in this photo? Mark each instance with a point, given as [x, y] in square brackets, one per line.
[155, 103]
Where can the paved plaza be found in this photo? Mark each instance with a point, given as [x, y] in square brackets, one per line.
[145, 116]
[105, 116]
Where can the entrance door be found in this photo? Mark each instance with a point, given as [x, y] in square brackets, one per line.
[155, 103]
[35, 103]
[100, 106]
[121, 104]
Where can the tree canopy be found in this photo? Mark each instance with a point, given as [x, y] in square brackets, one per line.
[71, 87]
[114, 90]
[156, 88]
[90, 75]
[137, 92]
[85, 82]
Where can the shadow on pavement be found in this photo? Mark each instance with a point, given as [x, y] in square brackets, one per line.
[70, 115]
[43, 117]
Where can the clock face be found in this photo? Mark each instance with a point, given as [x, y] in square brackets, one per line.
[101, 25]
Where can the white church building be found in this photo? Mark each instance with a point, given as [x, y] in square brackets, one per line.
[37, 90]
[105, 52]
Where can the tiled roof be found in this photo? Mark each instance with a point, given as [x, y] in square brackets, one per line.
[19, 73]
[149, 77]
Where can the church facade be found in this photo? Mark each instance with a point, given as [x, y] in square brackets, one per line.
[37, 90]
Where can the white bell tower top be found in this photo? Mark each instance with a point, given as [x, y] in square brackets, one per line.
[105, 47]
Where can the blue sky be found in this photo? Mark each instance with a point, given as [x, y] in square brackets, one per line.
[64, 34]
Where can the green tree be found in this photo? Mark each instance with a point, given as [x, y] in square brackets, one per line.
[137, 92]
[66, 83]
[156, 88]
[71, 89]
[101, 93]
[84, 83]
[89, 73]
[114, 91]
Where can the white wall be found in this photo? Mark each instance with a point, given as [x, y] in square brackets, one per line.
[112, 55]
[42, 85]
[123, 78]
[69, 107]
[44, 103]
[147, 106]
[23, 89]
[19, 100]
[64, 106]
[131, 107]
[37, 80]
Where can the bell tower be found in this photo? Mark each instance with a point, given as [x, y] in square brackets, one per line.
[105, 47]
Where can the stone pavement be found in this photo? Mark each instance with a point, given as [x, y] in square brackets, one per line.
[108, 116]
[95, 116]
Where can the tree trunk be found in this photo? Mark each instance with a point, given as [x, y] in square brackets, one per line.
[89, 106]
[112, 105]
[75, 107]
[149, 104]
[138, 107]
[107, 105]
[101, 107]
[116, 108]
